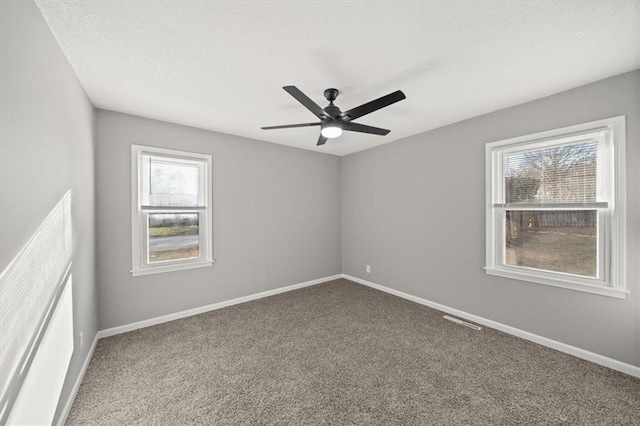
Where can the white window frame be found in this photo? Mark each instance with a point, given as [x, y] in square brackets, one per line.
[611, 215]
[140, 212]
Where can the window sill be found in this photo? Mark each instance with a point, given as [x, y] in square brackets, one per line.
[566, 283]
[171, 268]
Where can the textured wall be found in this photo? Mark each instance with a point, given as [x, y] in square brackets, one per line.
[46, 148]
[276, 219]
[415, 211]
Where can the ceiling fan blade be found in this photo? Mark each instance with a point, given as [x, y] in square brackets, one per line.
[374, 105]
[321, 140]
[288, 126]
[362, 128]
[308, 103]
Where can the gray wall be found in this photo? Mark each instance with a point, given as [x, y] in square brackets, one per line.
[276, 219]
[414, 211]
[46, 148]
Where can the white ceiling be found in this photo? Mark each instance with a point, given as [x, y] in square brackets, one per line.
[221, 65]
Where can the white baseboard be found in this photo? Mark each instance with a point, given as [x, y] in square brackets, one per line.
[76, 386]
[202, 309]
[559, 346]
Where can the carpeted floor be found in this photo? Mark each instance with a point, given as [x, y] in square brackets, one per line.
[341, 353]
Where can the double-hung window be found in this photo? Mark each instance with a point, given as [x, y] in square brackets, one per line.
[555, 207]
[171, 210]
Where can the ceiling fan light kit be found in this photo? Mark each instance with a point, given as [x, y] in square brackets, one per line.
[331, 130]
[332, 120]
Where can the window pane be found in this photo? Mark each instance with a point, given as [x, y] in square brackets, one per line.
[559, 241]
[173, 236]
[172, 183]
[555, 174]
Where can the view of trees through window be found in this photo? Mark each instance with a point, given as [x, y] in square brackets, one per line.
[550, 238]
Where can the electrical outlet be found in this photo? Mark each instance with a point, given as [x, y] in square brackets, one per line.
[368, 269]
[81, 338]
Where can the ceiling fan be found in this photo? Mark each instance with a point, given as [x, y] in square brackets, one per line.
[332, 120]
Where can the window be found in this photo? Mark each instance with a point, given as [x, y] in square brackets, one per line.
[555, 207]
[171, 214]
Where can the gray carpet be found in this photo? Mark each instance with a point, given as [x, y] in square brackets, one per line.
[341, 353]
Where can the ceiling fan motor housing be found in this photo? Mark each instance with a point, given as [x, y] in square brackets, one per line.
[333, 111]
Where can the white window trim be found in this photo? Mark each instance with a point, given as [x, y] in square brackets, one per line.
[138, 231]
[614, 278]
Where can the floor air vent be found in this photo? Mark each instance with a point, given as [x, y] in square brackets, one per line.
[459, 321]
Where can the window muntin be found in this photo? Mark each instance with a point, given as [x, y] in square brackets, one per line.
[555, 207]
[171, 220]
